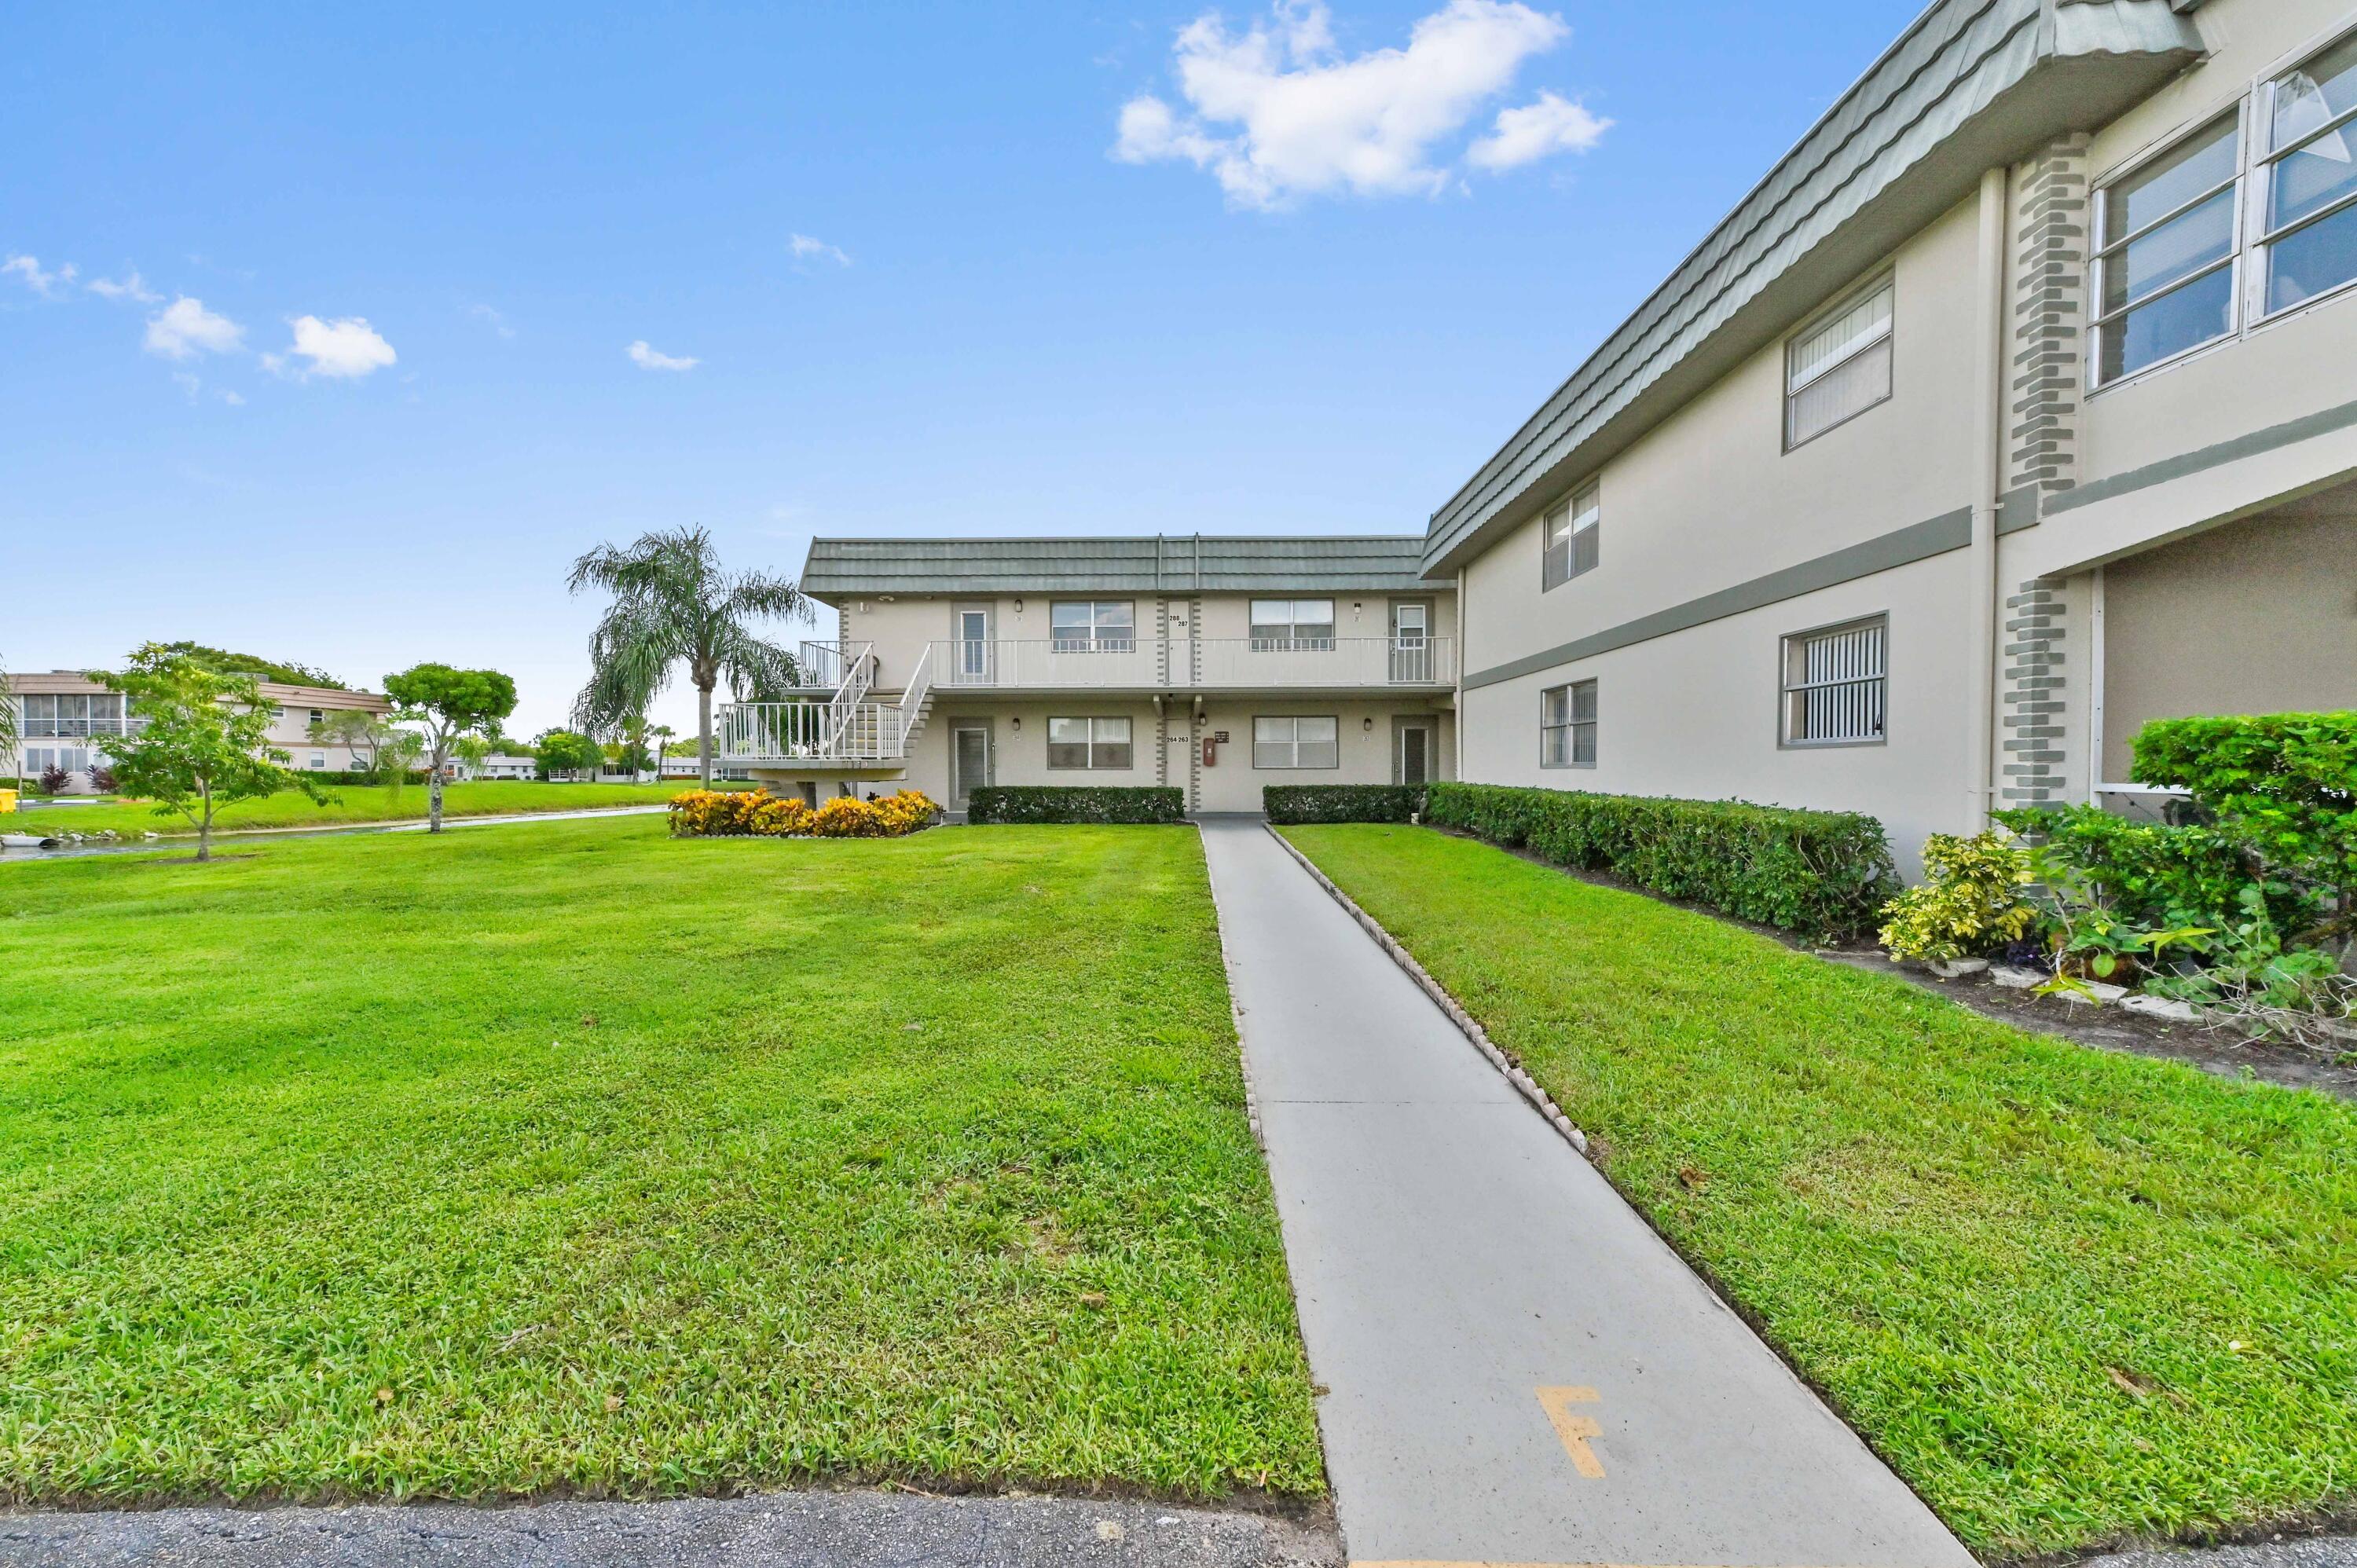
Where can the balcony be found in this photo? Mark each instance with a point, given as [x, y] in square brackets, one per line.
[78, 729]
[1199, 664]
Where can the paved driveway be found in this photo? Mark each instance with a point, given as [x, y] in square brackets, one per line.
[1520, 1371]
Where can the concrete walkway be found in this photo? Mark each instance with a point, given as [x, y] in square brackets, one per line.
[1520, 1370]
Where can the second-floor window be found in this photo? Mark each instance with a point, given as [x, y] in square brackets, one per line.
[2165, 275]
[72, 713]
[1289, 624]
[1840, 367]
[1092, 626]
[2308, 192]
[1572, 529]
[2224, 228]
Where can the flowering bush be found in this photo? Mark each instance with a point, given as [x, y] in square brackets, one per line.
[757, 812]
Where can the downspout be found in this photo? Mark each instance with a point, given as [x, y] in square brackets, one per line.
[1988, 456]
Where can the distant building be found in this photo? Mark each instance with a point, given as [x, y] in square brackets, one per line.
[65, 718]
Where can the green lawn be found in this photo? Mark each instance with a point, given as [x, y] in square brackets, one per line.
[568, 1155]
[2069, 1295]
[351, 803]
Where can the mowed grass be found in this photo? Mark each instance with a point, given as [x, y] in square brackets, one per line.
[2069, 1296]
[347, 803]
[569, 1156]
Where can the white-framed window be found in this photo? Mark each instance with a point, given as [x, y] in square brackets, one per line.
[2165, 262]
[1570, 532]
[319, 759]
[1088, 743]
[1092, 626]
[1836, 684]
[1839, 366]
[318, 716]
[1567, 726]
[1297, 741]
[2305, 195]
[1292, 624]
[40, 760]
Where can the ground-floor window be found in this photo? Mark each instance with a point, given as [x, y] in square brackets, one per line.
[40, 760]
[1836, 683]
[1567, 726]
[1088, 743]
[1294, 742]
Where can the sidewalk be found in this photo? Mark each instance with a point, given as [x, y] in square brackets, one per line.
[1521, 1372]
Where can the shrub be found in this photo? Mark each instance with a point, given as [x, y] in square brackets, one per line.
[102, 778]
[2285, 783]
[1341, 802]
[1824, 875]
[1081, 803]
[759, 813]
[54, 780]
[1970, 903]
[2152, 875]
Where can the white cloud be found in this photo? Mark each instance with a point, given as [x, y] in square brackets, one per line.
[185, 329]
[236, 399]
[132, 287]
[345, 348]
[1277, 113]
[804, 245]
[29, 268]
[1552, 124]
[499, 322]
[647, 358]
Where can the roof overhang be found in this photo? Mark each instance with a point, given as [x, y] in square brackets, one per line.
[840, 569]
[1971, 85]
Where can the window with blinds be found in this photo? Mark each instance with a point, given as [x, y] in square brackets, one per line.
[1840, 367]
[1836, 684]
[1297, 742]
[1567, 726]
[1292, 626]
[1082, 626]
[1088, 743]
[1571, 528]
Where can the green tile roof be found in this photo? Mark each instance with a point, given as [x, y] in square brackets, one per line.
[844, 568]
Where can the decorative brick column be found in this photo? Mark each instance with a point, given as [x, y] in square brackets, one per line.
[2033, 694]
[2050, 316]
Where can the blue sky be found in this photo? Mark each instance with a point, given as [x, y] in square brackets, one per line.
[1062, 269]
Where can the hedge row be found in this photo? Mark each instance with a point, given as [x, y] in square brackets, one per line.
[1341, 802]
[1078, 803]
[1822, 875]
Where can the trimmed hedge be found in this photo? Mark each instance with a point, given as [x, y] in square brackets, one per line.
[1075, 803]
[1288, 803]
[1822, 875]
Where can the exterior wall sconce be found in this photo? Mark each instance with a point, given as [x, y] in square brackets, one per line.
[1018, 607]
[1368, 725]
[1016, 725]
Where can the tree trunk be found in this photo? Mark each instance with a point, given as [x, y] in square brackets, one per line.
[433, 793]
[205, 823]
[703, 732]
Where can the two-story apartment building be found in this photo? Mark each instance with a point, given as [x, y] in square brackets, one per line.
[1218, 665]
[64, 719]
[2015, 407]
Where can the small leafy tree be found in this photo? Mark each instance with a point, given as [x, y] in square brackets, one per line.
[675, 605]
[447, 703]
[380, 748]
[565, 751]
[206, 741]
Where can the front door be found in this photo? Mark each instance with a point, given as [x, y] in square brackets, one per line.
[1412, 754]
[1410, 643]
[972, 665]
[969, 762]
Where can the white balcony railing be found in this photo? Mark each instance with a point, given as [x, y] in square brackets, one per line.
[1241, 663]
[810, 732]
[49, 728]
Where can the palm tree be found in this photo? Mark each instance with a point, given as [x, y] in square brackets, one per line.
[675, 604]
[8, 732]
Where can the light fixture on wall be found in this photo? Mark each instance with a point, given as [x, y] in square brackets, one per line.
[1016, 725]
[1367, 724]
[1018, 607]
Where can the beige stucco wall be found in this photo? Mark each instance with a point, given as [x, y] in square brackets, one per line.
[1695, 714]
[1710, 499]
[2257, 616]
